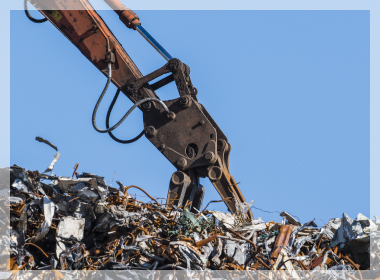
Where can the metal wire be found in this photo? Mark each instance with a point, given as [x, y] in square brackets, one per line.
[126, 114]
[273, 212]
[30, 16]
[108, 124]
[133, 186]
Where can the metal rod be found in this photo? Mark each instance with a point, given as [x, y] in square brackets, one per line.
[153, 42]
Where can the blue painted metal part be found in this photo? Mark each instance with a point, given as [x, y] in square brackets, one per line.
[153, 42]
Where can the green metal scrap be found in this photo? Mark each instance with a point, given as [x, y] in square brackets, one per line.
[188, 223]
[263, 236]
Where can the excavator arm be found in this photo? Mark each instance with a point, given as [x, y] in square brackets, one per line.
[82, 26]
[181, 129]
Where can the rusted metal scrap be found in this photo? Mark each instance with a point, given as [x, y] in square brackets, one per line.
[81, 223]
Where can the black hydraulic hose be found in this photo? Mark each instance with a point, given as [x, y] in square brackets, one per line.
[138, 103]
[30, 16]
[108, 124]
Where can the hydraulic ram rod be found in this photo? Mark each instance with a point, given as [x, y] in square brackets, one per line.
[131, 20]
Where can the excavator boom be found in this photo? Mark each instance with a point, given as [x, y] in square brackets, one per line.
[181, 129]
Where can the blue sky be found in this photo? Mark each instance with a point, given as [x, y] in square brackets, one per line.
[290, 89]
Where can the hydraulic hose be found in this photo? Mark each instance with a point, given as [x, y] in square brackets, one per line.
[30, 16]
[108, 124]
[138, 103]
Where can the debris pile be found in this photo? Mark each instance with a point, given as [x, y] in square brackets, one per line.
[81, 223]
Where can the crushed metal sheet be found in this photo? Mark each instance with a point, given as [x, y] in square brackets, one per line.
[56, 156]
[49, 208]
[84, 224]
[291, 220]
[71, 228]
[226, 218]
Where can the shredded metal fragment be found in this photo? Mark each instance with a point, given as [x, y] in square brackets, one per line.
[83, 224]
[56, 156]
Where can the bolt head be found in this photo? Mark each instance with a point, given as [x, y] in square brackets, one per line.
[132, 88]
[185, 101]
[174, 64]
[201, 122]
[221, 144]
[209, 156]
[162, 146]
[170, 115]
[147, 105]
[151, 131]
[182, 162]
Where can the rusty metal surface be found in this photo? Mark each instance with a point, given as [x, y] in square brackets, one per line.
[175, 138]
[282, 240]
[127, 16]
[89, 33]
[82, 223]
[187, 135]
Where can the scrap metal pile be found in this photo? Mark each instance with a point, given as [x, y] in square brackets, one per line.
[82, 223]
